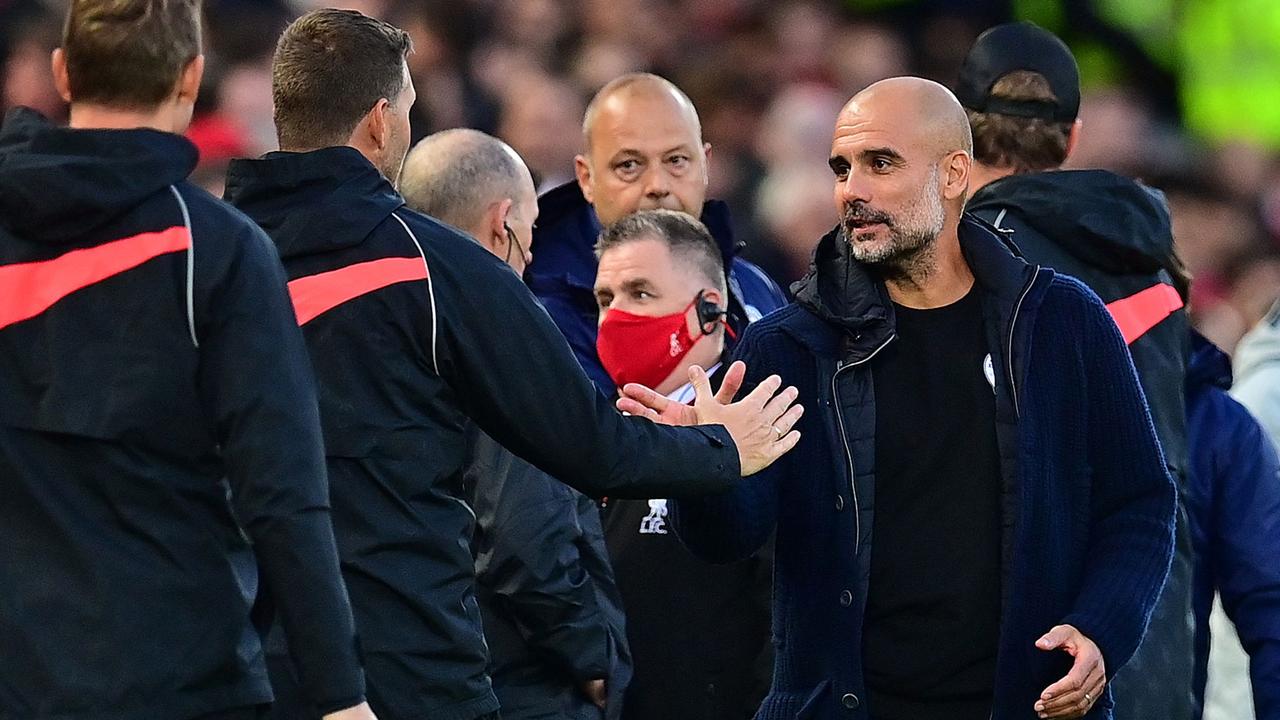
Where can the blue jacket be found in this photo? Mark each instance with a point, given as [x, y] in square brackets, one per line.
[1233, 504]
[1087, 501]
[563, 273]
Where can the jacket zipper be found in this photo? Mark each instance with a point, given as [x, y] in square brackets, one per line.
[1013, 384]
[1013, 322]
[844, 439]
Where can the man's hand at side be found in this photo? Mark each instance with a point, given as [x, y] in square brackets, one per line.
[1074, 695]
[594, 690]
[760, 423]
[355, 712]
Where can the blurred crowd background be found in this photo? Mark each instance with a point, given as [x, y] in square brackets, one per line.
[1184, 94]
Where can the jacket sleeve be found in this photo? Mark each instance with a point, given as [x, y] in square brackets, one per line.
[255, 379]
[517, 379]
[731, 526]
[1245, 545]
[1132, 495]
[530, 560]
[581, 335]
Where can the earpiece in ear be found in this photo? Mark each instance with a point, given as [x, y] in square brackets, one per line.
[709, 314]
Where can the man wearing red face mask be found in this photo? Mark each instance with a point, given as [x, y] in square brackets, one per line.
[699, 633]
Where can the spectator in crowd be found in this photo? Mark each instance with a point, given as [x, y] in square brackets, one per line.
[643, 151]
[411, 327]
[1233, 504]
[1021, 88]
[699, 633]
[947, 408]
[156, 389]
[552, 615]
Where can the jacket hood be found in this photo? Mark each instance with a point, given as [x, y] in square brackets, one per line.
[1105, 220]
[58, 184]
[1208, 366]
[312, 202]
[842, 292]
[1260, 346]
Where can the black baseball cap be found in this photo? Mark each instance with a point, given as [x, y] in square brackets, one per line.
[1020, 46]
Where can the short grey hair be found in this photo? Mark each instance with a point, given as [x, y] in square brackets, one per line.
[455, 175]
[686, 237]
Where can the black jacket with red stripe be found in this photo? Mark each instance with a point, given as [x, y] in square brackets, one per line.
[1115, 236]
[415, 330]
[153, 388]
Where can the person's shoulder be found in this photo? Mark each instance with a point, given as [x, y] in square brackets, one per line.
[219, 227]
[1069, 294]
[758, 289]
[781, 331]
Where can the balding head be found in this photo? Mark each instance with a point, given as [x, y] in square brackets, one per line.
[616, 97]
[476, 183]
[923, 107]
[643, 149]
[901, 155]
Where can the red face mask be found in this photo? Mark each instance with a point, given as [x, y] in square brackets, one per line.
[643, 349]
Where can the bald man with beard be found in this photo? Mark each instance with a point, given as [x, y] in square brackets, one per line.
[977, 520]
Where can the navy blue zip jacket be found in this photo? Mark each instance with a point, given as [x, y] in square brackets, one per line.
[153, 384]
[1115, 236]
[414, 331]
[1088, 504]
[1233, 502]
[563, 273]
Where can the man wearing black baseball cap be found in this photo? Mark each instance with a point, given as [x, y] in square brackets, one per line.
[1021, 88]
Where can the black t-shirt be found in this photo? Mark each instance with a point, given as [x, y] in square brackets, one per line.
[933, 601]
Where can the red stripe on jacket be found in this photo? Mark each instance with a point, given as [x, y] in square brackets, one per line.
[1143, 310]
[314, 295]
[28, 289]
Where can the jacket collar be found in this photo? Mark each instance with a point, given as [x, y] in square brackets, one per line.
[312, 202]
[852, 307]
[569, 229]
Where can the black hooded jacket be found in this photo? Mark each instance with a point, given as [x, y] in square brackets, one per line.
[153, 384]
[416, 330]
[1115, 236]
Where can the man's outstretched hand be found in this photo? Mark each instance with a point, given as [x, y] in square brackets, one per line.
[760, 423]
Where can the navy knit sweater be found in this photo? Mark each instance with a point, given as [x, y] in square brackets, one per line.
[1088, 503]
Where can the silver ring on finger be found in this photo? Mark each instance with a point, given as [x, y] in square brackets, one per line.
[1088, 697]
[776, 431]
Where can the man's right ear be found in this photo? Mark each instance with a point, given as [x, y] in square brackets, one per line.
[1073, 138]
[61, 79]
[582, 171]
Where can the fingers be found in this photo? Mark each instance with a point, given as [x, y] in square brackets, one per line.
[632, 407]
[645, 397]
[1074, 681]
[788, 419]
[733, 378]
[1075, 694]
[1055, 637]
[764, 391]
[1077, 702]
[779, 404]
[701, 385]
